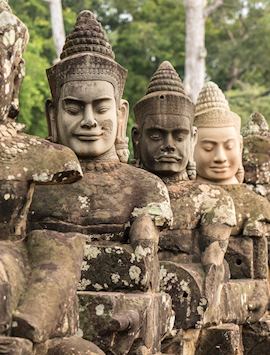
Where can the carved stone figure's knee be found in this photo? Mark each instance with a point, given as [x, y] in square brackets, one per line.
[73, 345]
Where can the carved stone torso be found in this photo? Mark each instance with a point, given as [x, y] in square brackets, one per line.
[22, 160]
[193, 205]
[102, 203]
[252, 212]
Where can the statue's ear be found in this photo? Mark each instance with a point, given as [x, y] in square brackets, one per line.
[122, 116]
[51, 121]
[121, 142]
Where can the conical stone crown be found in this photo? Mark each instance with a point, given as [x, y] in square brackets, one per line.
[165, 96]
[165, 79]
[211, 97]
[213, 110]
[87, 36]
[257, 124]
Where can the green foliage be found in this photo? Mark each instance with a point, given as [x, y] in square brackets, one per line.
[237, 40]
[143, 34]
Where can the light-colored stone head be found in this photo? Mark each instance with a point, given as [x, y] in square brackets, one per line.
[13, 40]
[87, 112]
[218, 152]
[163, 136]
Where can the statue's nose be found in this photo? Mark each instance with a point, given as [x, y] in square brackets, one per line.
[88, 120]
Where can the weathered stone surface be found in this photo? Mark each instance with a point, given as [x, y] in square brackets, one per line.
[185, 284]
[123, 267]
[239, 256]
[256, 154]
[15, 346]
[122, 322]
[243, 301]
[256, 337]
[224, 339]
[48, 305]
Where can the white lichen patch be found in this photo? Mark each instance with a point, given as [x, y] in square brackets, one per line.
[44, 176]
[134, 273]
[84, 201]
[115, 278]
[83, 284]
[100, 310]
[91, 252]
[98, 287]
[9, 38]
[11, 177]
[140, 253]
[85, 266]
[160, 213]
[6, 197]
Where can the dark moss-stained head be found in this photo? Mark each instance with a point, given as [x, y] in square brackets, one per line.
[163, 134]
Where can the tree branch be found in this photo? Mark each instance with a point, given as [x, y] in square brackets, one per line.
[212, 7]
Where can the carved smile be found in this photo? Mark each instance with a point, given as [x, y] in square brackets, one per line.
[89, 137]
[219, 169]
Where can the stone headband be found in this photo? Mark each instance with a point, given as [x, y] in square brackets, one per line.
[163, 103]
[86, 66]
[165, 95]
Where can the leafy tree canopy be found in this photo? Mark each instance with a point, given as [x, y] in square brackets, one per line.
[143, 34]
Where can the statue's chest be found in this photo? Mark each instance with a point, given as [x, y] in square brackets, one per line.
[91, 202]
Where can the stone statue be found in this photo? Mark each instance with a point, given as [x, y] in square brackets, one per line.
[192, 251]
[218, 158]
[38, 271]
[118, 208]
[256, 155]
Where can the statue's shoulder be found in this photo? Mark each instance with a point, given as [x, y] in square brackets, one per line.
[216, 204]
[26, 157]
[151, 196]
[255, 209]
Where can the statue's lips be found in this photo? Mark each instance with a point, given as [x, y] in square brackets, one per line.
[89, 136]
[168, 158]
[219, 169]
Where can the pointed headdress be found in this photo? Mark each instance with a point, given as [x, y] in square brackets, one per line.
[213, 110]
[87, 55]
[165, 95]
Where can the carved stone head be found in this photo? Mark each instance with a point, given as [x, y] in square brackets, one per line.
[256, 152]
[13, 40]
[163, 137]
[87, 113]
[218, 152]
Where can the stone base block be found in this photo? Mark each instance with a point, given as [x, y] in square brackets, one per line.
[256, 338]
[123, 323]
[224, 339]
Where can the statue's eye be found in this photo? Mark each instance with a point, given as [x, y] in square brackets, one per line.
[102, 109]
[155, 136]
[71, 107]
[229, 146]
[179, 137]
[208, 148]
[73, 110]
